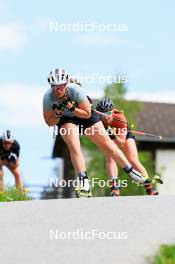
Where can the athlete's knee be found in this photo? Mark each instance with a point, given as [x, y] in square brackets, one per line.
[13, 166]
[109, 159]
[121, 144]
[1, 164]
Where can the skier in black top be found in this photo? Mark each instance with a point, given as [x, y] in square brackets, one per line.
[9, 157]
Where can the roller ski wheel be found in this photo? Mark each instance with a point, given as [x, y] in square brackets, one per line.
[83, 193]
[152, 192]
[115, 189]
[157, 179]
[115, 192]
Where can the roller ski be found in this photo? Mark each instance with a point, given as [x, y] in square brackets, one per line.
[150, 190]
[141, 180]
[156, 179]
[83, 189]
[115, 189]
[83, 193]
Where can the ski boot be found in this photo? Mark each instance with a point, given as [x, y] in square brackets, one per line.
[83, 189]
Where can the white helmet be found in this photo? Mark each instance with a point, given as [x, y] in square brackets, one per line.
[58, 77]
[7, 136]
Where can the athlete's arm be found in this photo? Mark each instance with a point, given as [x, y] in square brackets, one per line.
[121, 128]
[83, 110]
[16, 148]
[116, 135]
[50, 118]
[120, 140]
[121, 134]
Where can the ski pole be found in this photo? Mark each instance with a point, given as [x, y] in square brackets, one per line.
[114, 118]
[141, 133]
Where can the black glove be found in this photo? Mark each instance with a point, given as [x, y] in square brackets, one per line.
[111, 133]
[61, 107]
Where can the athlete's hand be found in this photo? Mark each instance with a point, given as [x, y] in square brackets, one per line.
[106, 118]
[69, 105]
[66, 103]
[56, 110]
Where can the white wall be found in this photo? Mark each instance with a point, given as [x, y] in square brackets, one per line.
[165, 164]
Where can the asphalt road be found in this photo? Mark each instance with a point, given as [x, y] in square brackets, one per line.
[99, 230]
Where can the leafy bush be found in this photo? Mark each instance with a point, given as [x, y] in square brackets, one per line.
[165, 255]
[13, 194]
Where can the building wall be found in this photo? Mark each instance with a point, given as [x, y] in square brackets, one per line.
[165, 164]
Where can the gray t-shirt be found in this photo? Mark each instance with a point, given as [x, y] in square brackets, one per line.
[74, 92]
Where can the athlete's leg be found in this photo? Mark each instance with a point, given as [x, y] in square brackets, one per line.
[14, 168]
[1, 177]
[130, 151]
[2, 163]
[71, 138]
[111, 167]
[99, 136]
[112, 172]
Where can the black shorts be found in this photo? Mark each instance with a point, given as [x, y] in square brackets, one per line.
[129, 134]
[81, 122]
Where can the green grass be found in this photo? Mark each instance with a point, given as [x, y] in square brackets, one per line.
[12, 194]
[165, 255]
